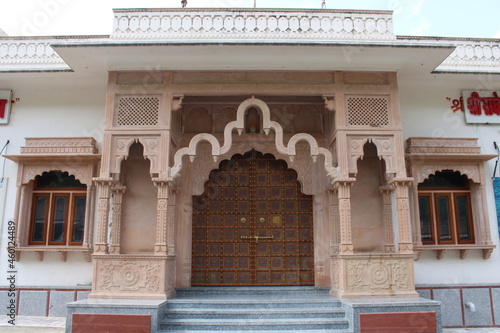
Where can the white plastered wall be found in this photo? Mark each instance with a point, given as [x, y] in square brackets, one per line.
[426, 112]
[55, 105]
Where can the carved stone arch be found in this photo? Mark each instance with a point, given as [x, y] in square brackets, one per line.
[259, 104]
[304, 166]
[151, 146]
[385, 151]
[239, 125]
[355, 147]
[121, 145]
[471, 171]
[81, 173]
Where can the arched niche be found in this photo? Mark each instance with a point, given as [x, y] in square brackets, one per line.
[138, 219]
[367, 206]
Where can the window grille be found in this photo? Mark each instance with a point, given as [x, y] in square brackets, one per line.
[138, 111]
[367, 111]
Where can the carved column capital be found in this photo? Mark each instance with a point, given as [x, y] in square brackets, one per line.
[401, 181]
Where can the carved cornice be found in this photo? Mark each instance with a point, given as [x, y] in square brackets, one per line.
[84, 145]
[442, 146]
[254, 24]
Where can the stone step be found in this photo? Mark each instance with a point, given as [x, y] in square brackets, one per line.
[257, 324]
[299, 290]
[261, 313]
[250, 303]
[260, 331]
[254, 309]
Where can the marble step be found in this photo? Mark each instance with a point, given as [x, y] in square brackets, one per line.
[260, 331]
[299, 290]
[250, 303]
[256, 324]
[261, 313]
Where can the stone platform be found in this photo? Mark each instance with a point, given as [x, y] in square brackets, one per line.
[256, 309]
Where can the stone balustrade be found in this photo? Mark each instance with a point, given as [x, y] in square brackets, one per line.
[474, 55]
[29, 54]
[252, 24]
[248, 25]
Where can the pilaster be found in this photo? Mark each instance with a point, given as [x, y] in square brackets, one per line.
[118, 191]
[401, 186]
[386, 192]
[162, 215]
[104, 186]
[344, 197]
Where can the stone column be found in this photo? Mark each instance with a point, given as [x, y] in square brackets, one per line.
[333, 203]
[344, 196]
[23, 222]
[386, 192]
[118, 191]
[162, 209]
[171, 222]
[401, 185]
[104, 186]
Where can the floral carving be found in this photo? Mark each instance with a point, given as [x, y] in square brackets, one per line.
[129, 276]
[122, 277]
[386, 273]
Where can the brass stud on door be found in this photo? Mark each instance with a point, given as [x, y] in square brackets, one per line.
[243, 220]
[262, 220]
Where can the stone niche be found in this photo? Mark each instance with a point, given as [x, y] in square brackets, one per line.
[138, 225]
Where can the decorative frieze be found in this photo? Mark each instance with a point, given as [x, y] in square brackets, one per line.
[59, 146]
[251, 24]
[442, 146]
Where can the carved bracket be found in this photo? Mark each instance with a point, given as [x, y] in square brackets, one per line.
[177, 103]
[329, 103]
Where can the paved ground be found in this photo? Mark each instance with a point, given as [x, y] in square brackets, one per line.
[26, 324]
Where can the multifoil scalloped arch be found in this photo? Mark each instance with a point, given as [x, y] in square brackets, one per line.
[239, 124]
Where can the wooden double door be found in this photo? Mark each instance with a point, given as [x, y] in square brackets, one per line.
[252, 226]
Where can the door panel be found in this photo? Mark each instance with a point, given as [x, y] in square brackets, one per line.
[252, 226]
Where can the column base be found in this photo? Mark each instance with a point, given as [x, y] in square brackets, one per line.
[373, 275]
[133, 277]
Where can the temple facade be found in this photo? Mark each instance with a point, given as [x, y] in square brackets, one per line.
[251, 148]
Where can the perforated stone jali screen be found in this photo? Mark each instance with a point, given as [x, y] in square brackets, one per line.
[138, 111]
[367, 111]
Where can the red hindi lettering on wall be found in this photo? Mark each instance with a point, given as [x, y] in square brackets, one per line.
[481, 107]
[476, 104]
[491, 105]
[3, 107]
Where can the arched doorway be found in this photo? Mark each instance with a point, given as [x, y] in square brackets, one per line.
[252, 225]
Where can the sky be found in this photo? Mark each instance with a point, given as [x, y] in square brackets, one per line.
[443, 18]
